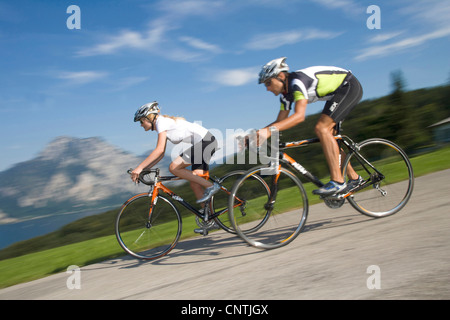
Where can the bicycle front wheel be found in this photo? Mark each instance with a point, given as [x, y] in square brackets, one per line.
[389, 181]
[268, 220]
[219, 202]
[148, 231]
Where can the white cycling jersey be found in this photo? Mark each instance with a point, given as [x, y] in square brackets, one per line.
[180, 130]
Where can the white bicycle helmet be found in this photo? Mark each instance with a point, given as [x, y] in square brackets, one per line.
[146, 109]
[272, 69]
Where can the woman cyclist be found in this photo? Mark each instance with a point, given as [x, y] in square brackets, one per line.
[176, 130]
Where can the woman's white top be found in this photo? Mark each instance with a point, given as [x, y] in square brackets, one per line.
[180, 130]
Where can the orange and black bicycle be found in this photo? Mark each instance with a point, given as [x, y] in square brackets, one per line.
[384, 186]
[149, 224]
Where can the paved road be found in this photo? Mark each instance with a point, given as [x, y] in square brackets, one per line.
[330, 260]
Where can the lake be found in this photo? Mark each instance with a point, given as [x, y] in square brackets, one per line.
[24, 230]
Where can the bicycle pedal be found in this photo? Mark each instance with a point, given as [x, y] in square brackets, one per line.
[202, 231]
[333, 197]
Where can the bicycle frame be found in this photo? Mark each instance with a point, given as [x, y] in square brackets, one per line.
[297, 166]
[350, 145]
[159, 186]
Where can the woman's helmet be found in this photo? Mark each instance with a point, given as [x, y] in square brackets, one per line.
[145, 110]
[272, 69]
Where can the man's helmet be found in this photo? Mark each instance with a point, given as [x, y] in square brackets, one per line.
[272, 69]
[145, 110]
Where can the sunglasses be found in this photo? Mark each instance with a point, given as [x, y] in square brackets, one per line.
[268, 82]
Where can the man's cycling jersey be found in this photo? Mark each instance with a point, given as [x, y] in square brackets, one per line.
[312, 84]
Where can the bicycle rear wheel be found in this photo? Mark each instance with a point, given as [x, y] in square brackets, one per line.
[144, 235]
[268, 221]
[219, 202]
[389, 187]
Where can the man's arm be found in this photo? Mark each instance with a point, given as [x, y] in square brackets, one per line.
[284, 121]
[283, 114]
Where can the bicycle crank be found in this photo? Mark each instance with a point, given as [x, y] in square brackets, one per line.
[242, 209]
[334, 203]
[206, 225]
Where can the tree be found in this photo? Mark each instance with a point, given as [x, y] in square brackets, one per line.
[398, 88]
[403, 124]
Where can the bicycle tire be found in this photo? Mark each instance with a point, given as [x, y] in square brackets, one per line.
[220, 200]
[143, 238]
[391, 193]
[280, 216]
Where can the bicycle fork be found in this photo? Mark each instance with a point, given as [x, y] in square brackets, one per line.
[153, 194]
[273, 191]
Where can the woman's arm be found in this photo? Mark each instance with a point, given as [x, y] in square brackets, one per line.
[155, 156]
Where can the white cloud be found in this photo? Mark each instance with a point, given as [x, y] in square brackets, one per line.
[392, 48]
[81, 77]
[385, 37]
[431, 12]
[423, 22]
[277, 39]
[201, 45]
[183, 8]
[236, 77]
[127, 39]
[348, 6]
[157, 38]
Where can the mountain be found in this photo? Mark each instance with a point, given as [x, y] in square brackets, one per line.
[69, 175]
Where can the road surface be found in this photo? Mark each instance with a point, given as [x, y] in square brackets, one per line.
[340, 255]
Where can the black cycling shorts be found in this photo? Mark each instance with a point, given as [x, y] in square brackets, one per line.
[200, 154]
[345, 98]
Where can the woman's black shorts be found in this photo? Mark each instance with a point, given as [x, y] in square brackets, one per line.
[200, 154]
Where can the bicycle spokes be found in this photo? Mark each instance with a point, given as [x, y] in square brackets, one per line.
[147, 230]
[271, 217]
[388, 176]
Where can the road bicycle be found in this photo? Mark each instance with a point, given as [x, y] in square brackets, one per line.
[149, 225]
[386, 184]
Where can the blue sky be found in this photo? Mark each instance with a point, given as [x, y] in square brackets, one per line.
[199, 58]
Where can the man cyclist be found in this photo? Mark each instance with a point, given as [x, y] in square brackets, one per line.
[341, 91]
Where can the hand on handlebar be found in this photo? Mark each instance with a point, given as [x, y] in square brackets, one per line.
[253, 140]
[135, 175]
[262, 135]
[242, 142]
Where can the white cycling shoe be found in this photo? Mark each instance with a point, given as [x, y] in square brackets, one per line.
[209, 192]
[330, 188]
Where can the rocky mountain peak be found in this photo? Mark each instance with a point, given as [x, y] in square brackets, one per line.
[68, 174]
[65, 146]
